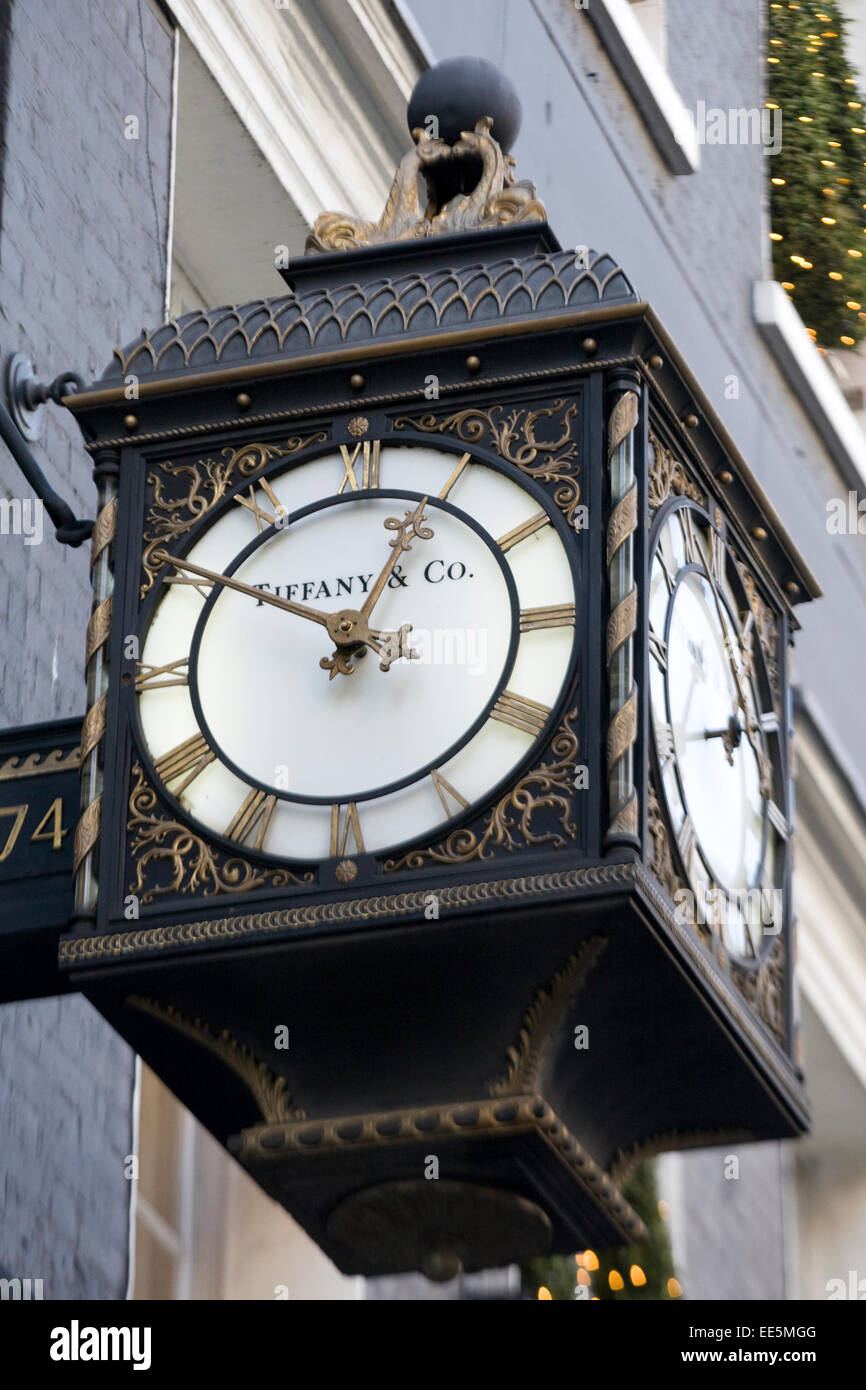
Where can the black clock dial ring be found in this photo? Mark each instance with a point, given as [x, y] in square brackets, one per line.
[284, 529]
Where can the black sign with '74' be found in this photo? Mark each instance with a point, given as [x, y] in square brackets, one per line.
[39, 800]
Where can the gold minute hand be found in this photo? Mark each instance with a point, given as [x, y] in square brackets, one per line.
[407, 529]
[299, 609]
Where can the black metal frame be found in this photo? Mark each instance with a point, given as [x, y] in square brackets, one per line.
[557, 374]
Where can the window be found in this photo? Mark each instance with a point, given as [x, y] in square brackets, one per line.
[179, 1200]
[633, 32]
[204, 1229]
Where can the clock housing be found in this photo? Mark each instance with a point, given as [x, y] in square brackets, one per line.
[343, 943]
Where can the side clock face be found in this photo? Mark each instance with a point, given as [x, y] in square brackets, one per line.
[717, 735]
[356, 652]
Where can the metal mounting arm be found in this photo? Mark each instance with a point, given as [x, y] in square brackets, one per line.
[27, 395]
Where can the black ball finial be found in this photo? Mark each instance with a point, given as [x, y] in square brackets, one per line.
[458, 92]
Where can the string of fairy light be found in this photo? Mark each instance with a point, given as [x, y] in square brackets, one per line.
[587, 1267]
[805, 40]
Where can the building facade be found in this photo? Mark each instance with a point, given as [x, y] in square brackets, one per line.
[135, 139]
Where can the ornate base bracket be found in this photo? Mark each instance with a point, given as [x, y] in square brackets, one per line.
[362, 1185]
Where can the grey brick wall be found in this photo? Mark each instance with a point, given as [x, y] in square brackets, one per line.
[735, 1227]
[82, 267]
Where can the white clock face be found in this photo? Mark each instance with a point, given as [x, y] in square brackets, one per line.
[712, 736]
[723, 796]
[278, 699]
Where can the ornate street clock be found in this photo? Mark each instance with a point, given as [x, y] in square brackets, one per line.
[436, 830]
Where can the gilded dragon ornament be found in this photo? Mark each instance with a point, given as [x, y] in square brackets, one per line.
[413, 207]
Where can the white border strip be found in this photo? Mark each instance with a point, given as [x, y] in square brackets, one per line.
[135, 1130]
[665, 115]
[172, 170]
[280, 70]
[811, 379]
[419, 38]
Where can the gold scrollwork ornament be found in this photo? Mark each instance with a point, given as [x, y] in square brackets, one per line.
[667, 475]
[512, 435]
[509, 826]
[193, 863]
[208, 481]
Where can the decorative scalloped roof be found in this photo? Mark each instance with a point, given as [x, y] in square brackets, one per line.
[407, 305]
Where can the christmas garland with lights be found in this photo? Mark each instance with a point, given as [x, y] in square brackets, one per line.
[818, 179]
[630, 1273]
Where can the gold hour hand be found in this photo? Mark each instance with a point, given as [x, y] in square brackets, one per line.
[730, 735]
[388, 646]
[750, 729]
[392, 646]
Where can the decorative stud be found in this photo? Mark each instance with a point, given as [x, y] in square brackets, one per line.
[589, 346]
[130, 422]
[243, 400]
[358, 426]
[725, 477]
[356, 381]
[346, 870]
[473, 363]
[759, 533]
[792, 588]
[656, 362]
[691, 421]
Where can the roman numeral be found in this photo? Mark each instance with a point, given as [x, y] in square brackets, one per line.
[442, 787]
[191, 757]
[665, 569]
[717, 556]
[157, 677]
[255, 811]
[340, 830]
[686, 840]
[658, 649]
[526, 529]
[369, 452]
[202, 586]
[664, 736]
[690, 539]
[271, 519]
[558, 615]
[778, 820]
[753, 926]
[454, 476]
[746, 629]
[521, 713]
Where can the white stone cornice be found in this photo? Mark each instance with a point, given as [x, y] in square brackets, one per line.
[829, 895]
[811, 379]
[333, 143]
[664, 113]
